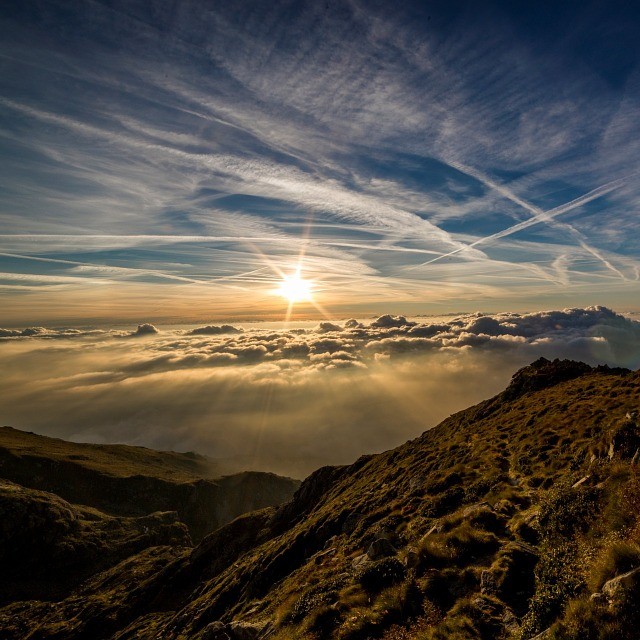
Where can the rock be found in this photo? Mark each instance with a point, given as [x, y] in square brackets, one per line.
[543, 636]
[350, 523]
[580, 482]
[488, 584]
[245, 630]
[330, 542]
[319, 557]
[412, 559]
[385, 534]
[510, 622]
[381, 548]
[617, 589]
[360, 560]
[469, 511]
[216, 631]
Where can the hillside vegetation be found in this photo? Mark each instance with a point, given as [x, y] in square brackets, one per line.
[518, 518]
[127, 481]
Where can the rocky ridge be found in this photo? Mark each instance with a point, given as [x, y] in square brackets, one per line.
[518, 518]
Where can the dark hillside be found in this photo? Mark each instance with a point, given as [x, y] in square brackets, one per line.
[134, 481]
[514, 519]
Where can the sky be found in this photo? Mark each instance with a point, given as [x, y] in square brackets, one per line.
[173, 161]
[333, 223]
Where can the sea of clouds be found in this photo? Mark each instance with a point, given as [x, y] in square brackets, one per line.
[286, 400]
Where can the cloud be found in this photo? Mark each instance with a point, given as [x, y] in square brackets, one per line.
[388, 321]
[214, 330]
[289, 400]
[47, 333]
[145, 330]
[328, 327]
[395, 141]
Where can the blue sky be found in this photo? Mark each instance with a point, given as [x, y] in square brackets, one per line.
[170, 161]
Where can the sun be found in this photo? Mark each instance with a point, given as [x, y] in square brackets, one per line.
[295, 288]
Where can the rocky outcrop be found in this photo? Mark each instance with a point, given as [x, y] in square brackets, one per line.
[48, 546]
[620, 589]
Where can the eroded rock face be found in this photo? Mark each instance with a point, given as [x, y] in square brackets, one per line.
[381, 548]
[542, 374]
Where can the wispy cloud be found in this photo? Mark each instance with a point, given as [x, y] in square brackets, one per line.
[375, 139]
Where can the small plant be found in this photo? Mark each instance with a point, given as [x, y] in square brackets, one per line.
[618, 558]
[566, 512]
[376, 576]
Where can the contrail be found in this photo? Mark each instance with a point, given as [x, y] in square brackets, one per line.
[538, 217]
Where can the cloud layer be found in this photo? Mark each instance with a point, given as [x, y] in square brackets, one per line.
[287, 400]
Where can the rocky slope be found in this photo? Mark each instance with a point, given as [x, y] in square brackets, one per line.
[134, 481]
[517, 518]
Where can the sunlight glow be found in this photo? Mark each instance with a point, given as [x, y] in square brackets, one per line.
[295, 288]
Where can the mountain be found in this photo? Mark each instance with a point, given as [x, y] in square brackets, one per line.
[518, 518]
[127, 481]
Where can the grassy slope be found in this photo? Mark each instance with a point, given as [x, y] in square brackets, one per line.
[134, 481]
[116, 460]
[525, 557]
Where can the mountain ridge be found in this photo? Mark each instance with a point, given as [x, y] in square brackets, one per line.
[511, 519]
[126, 481]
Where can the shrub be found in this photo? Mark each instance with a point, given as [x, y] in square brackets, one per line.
[567, 511]
[558, 579]
[307, 602]
[467, 543]
[324, 620]
[375, 576]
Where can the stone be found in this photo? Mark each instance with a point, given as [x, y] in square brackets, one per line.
[617, 588]
[216, 631]
[580, 482]
[412, 559]
[360, 560]
[381, 548]
[488, 584]
[469, 511]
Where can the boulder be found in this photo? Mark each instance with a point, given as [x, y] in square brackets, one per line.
[619, 589]
[360, 560]
[216, 631]
[412, 559]
[245, 630]
[381, 548]
[488, 584]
